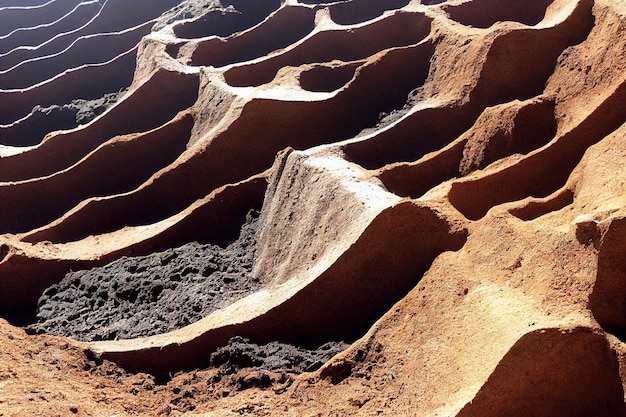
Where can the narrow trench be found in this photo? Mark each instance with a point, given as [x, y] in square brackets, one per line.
[157, 101]
[227, 22]
[415, 179]
[286, 26]
[113, 76]
[499, 131]
[536, 209]
[33, 128]
[419, 133]
[359, 11]
[325, 46]
[12, 19]
[114, 16]
[320, 2]
[91, 50]
[121, 165]
[606, 301]
[22, 3]
[21, 37]
[327, 78]
[542, 173]
[485, 13]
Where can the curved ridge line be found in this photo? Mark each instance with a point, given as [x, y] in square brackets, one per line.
[27, 7]
[60, 35]
[46, 25]
[80, 39]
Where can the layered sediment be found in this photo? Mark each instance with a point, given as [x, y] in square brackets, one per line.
[439, 185]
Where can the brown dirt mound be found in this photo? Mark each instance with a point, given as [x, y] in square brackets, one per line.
[440, 184]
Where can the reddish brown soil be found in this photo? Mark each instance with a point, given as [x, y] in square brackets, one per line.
[441, 185]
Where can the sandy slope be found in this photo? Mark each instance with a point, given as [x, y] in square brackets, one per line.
[450, 201]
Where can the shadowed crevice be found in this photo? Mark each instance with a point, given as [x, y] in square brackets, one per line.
[279, 30]
[400, 29]
[485, 13]
[550, 373]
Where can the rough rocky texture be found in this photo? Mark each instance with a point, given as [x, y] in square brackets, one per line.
[157, 293]
[441, 185]
[240, 353]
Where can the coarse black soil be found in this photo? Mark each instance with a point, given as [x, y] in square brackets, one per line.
[241, 353]
[87, 110]
[148, 295]
[186, 10]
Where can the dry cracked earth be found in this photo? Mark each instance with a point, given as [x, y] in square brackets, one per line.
[313, 208]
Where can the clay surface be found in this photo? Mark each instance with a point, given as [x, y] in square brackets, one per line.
[438, 197]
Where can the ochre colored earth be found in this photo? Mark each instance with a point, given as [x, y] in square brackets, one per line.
[441, 201]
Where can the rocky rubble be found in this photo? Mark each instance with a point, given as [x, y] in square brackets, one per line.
[153, 294]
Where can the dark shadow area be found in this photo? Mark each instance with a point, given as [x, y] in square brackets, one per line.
[485, 13]
[14, 18]
[38, 35]
[359, 11]
[535, 209]
[41, 121]
[22, 3]
[324, 78]
[607, 300]
[115, 16]
[151, 105]
[411, 138]
[320, 2]
[413, 179]
[400, 29]
[285, 27]
[517, 131]
[79, 83]
[227, 22]
[90, 50]
[19, 316]
[553, 373]
[114, 168]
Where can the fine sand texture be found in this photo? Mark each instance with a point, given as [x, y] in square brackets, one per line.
[313, 208]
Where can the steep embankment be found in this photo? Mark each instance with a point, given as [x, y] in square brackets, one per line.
[440, 185]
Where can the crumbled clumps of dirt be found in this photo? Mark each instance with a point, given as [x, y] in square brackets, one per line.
[148, 295]
[241, 353]
[87, 110]
[239, 366]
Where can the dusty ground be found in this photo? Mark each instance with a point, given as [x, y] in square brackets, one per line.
[473, 238]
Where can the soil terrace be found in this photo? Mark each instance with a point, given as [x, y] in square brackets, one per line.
[440, 189]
